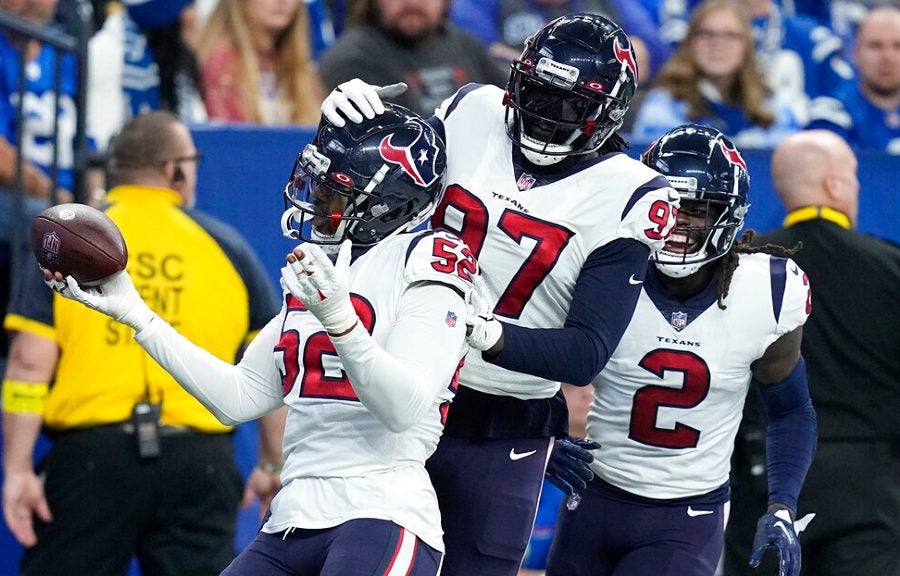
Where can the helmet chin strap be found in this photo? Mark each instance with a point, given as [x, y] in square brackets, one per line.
[325, 241]
[329, 243]
[679, 270]
[538, 158]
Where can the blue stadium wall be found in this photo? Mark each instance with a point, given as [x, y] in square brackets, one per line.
[243, 175]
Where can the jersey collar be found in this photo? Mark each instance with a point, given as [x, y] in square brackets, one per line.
[144, 194]
[817, 212]
[679, 313]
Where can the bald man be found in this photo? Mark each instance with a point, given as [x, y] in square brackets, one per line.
[867, 112]
[851, 343]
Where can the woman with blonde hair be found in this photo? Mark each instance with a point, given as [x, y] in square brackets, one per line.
[714, 79]
[256, 65]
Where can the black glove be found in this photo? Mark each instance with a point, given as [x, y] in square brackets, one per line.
[569, 468]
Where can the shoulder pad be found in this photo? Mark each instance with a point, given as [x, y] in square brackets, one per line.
[439, 256]
[797, 300]
[650, 217]
[453, 101]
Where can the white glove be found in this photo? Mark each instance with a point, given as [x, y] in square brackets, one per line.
[116, 297]
[355, 96]
[323, 287]
[483, 331]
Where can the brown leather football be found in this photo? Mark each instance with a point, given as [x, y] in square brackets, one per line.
[78, 240]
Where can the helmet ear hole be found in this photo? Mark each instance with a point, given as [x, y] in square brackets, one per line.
[395, 213]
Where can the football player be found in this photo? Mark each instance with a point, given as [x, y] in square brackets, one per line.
[364, 352]
[712, 318]
[562, 223]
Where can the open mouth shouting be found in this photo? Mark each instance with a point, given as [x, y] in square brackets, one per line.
[683, 241]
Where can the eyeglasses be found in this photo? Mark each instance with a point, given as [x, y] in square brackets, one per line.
[194, 158]
[708, 35]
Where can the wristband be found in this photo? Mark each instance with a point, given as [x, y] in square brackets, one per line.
[20, 397]
[269, 468]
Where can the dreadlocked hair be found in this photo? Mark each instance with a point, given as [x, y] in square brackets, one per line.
[730, 261]
[615, 143]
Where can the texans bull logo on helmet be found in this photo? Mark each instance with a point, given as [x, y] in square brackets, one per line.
[417, 158]
[626, 57]
[732, 154]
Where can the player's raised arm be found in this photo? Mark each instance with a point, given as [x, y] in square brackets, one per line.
[232, 393]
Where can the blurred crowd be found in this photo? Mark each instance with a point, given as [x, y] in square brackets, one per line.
[756, 69]
[759, 71]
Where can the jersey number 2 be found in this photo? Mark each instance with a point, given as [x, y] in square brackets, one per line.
[649, 399]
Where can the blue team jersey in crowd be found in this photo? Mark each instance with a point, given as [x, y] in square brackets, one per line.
[819, 50]
[659, 111]
[141, 80]
[39, 106]
[321, 27]
[862, 124]
[140, 75]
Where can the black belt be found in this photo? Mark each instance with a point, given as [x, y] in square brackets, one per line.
[164, 429]
[121, 428]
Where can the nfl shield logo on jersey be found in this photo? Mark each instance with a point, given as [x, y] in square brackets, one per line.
[525, 181]
[450, 319]
[679, 320]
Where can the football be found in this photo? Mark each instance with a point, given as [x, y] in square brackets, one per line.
[78, 240]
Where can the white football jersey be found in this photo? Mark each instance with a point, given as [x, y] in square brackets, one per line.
[341, 462]
[531, 232]
[667, 406]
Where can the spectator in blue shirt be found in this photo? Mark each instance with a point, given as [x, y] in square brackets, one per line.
[799, 55]
[866, 112]
[714, 79]
[43, 108]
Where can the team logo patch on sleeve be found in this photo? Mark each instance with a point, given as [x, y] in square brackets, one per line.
[450, 319]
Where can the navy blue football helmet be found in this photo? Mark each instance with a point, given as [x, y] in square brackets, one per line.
[709, 173]
[570, 89]
[365, 182]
